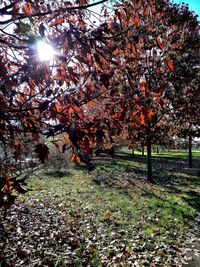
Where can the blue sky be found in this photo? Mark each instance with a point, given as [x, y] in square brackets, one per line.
[194, 5]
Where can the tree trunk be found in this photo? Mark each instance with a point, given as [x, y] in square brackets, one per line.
[149, 160]
[133, 153]
[157, 150]
[143, 151]
[190, 151]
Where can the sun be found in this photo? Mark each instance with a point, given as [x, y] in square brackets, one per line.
[45, 51]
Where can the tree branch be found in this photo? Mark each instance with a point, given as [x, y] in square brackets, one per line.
[13, 45]
[41, 14]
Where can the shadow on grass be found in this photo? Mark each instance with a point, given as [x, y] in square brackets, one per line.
[57, 174]
[81, 167]
[126, 156]
[170, 173]
[161, 158]
[193, 199]
[112, 166]
[164, 169]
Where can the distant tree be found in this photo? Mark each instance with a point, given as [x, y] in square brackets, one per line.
[186, 95]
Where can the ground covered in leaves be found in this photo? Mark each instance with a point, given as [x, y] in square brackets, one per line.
[110, 217]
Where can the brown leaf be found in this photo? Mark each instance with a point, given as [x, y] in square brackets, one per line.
[57, 107]
[27, 9]
[126, 253]
[57, 22]
[136, 20]
[170, 65]
[72, 158]
[107, 218]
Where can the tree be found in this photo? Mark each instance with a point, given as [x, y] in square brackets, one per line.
[150, 38]
[187, 109]
[101, 81]
[186, 96]
[44, 97]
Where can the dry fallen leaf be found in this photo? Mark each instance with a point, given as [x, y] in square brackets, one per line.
[107, 218]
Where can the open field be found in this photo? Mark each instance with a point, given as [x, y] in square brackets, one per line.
[109, 217]
[165, 153]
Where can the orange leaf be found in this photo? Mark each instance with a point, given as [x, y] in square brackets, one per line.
[57, 107]
[158, 97]
[5, 188]
[67, 140]
[27, 9]
[146, 12]
[176, 46]
[128, 46]
[170, 65]
[139, 4]
[115, 52]
[71, 111]
[142, 118]
[90, 104]
[153, 9]
[136, 20]
[126, 253]
[137, 46]
[147, 113]
[77, 160]
[72, 158]
[56, 22]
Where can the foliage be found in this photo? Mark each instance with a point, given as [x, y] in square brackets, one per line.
[113, 78]
[37, 96]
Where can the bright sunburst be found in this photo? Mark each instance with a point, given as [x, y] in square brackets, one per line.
[45, 51]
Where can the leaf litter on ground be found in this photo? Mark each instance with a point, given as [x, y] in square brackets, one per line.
[76, 221]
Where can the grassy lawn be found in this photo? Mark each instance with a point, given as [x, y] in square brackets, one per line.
[178, 154]
[182, 154]
[109, 217]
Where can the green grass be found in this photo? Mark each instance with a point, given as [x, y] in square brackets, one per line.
[178, 154]
[126, 213]
[163, 153]
[156, 207]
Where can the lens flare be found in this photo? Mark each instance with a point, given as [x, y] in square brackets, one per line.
[45, 51]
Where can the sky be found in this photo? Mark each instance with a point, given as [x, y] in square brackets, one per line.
[194, 5]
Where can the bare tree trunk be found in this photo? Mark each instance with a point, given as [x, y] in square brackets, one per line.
[190, 151]
[157, 150]
[149, 160]
[142, 150]
[133, 153]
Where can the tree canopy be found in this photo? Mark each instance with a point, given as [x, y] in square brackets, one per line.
[116, 72]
